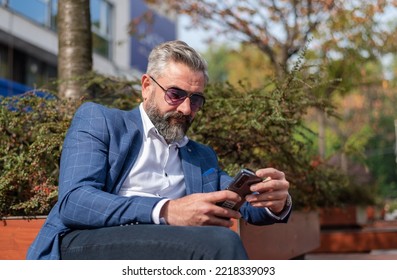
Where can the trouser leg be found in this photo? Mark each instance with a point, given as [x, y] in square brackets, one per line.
[153, 242]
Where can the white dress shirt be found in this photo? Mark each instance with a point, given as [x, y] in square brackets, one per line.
[157, 170]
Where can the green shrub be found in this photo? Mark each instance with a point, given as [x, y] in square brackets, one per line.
[31, 134]
[32, 130]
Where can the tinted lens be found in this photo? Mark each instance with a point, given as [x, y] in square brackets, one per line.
[175, 96]
[197, 102]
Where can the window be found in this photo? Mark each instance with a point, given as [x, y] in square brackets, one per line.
[38, 73]
[101, 19]
[41, 11]
[4, 62]
[44, 12]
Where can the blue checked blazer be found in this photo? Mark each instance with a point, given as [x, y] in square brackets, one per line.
[99, 150]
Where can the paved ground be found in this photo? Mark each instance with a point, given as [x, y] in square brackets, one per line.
[373, 255]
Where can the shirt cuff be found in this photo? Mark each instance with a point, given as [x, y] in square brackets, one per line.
[284, 213]
[156, 212]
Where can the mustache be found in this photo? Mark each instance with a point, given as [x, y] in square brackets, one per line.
[178, 117]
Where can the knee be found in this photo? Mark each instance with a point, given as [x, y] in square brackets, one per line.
[224, 236]
[225, 244]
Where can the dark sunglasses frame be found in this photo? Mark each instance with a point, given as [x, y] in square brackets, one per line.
[175, 96]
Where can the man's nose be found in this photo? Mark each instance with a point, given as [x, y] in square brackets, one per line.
[184, 107]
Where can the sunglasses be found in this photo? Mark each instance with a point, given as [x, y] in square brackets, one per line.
[175, 96]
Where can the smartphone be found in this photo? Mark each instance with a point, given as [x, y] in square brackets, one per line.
[241, 185]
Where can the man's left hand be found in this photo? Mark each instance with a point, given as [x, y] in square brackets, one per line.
[272, 192]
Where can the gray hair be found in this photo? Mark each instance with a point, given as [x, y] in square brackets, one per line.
[175, 51]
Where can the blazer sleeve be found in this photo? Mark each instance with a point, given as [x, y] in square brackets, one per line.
[86, 199]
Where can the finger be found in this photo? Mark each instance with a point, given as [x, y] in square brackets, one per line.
[270, 185]
[226, 213]
[274, 205]
[265, 197]
[219, 221]
[219, 196]
[270, 172]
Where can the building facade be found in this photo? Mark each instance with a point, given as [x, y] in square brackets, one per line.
[29, 42]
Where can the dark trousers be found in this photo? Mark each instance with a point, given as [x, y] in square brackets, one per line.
[153, 242]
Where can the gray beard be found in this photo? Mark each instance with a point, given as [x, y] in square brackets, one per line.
[172, 125]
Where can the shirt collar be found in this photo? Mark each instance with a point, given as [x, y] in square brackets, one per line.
[150, 129]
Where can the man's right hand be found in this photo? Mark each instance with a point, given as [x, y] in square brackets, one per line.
[200, 209]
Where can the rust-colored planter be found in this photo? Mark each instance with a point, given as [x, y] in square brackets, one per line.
[275, 242]
[282, 241]
[355, 229]
[16, 235]
[351, 215]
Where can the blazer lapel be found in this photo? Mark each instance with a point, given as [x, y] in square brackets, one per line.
[133, 139]
[191, 169]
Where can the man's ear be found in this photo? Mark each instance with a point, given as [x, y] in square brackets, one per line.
[146, 86]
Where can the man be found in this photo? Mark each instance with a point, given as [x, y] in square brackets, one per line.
[133, 186]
